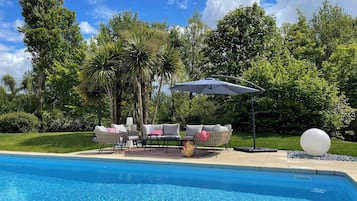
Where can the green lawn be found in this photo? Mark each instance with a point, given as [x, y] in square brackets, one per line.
[80, 141]
[48, 142]
[286, 142]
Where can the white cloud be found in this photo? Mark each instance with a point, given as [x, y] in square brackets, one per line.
[86, 28]
[4, 48]
[8, 31]
[170, 2]
[13, 59]
[103, 12]
[282, 10]
[285, 11]
[183, 4]
[4, 3]
[14, 62]
[217, 9]
[96, 1]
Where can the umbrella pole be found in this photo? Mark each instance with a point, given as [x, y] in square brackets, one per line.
[253, 119]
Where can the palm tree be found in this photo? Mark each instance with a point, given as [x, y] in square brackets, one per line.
[168, 61]
[100, 72]
[10, 83]
[138, 60]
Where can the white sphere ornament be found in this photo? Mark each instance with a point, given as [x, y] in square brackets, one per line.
[315, 142]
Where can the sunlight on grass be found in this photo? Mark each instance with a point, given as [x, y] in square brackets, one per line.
[80, 141]
[48, 142]
[286, 142]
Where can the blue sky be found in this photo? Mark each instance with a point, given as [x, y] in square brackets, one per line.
[89, 13]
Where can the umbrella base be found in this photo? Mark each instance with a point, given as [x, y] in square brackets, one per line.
[256, 149]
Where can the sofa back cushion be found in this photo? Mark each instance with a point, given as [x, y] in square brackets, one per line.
[100, 129]
[193, 129]
[146, 129]
[149, 128]
[119, 127]
[223, 128]
[171, 129]
[211, 127]
[112, 130]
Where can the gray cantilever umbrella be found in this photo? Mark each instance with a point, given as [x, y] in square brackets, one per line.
[212, 86]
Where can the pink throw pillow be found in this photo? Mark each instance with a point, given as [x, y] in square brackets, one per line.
[156, 132]
[203, 135]
[112, 130]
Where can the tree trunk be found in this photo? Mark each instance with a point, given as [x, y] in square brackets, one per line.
[140, 104]
[118, 108]
[114, 109]
[157, 102]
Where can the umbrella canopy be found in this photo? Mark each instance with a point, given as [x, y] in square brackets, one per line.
[212, 86]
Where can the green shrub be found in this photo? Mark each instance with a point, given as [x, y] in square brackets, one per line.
[18, 122]
[57, 121]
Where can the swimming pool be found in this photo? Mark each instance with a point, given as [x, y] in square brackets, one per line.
[60, 178]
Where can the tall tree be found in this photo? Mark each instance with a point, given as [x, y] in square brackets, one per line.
[119, 30]
[100, 72]
[192, 46]
[240, 37]
[296, 97]
[331, 27]
[299, 39]
[341, 70]
[138, 59]
[10, 83]
[167, 65]
[51, 35]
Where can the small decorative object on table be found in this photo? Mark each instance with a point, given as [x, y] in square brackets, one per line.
[188, 149]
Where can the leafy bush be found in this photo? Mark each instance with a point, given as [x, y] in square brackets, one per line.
[18, 122]
[296, 98]
[56, 121]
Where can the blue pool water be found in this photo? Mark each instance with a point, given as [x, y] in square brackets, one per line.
[57, 178]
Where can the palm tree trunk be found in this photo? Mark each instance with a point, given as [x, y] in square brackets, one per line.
[140, 104]
[157, 102]
[115, 120]
[118, 108]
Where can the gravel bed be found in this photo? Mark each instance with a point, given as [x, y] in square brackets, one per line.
[303, 155]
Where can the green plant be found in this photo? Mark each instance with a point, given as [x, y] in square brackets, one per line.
[18, 122]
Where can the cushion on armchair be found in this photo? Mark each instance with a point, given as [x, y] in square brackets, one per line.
[156, 132]
[100, 129]
[119, 127]
[223, 128]
[211, 127]
[193, 129]
[203, 135]
[112, 130]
